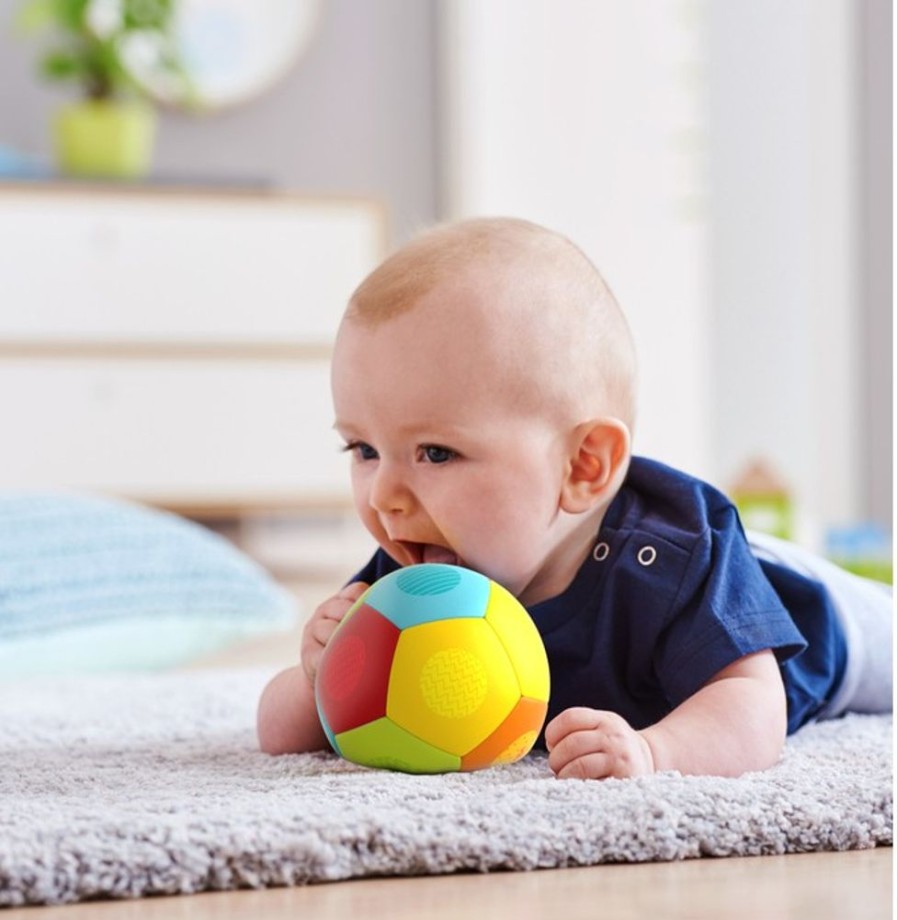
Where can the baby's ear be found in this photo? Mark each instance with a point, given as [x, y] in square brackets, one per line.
[598, 458]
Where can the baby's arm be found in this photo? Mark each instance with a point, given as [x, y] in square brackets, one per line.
[288, 720]
[735, 723]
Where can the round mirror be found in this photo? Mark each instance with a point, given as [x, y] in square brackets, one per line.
[233, 50]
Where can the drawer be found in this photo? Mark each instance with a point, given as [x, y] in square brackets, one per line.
[161, 267]
[212, 432]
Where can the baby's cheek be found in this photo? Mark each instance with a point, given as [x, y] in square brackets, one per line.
[372, 523]
[509, 558]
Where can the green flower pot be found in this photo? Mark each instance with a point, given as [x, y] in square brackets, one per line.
[105, 139]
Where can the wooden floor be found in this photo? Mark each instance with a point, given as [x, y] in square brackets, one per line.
[814, 886]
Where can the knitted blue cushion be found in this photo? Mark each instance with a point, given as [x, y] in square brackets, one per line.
[92, 584]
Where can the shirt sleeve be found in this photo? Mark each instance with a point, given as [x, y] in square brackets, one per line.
[725, 608]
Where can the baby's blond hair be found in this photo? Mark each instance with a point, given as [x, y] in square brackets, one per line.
[546, 285]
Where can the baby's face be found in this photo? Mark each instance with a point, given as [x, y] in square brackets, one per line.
[446, 467]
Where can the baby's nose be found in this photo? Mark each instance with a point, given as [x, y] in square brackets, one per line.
[390, 493]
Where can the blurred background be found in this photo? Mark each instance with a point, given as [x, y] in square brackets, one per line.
[165, 322]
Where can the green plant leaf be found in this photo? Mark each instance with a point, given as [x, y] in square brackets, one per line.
[35, 15]
[71, 14]
[63, 65]
[91, 55]
[148, 14]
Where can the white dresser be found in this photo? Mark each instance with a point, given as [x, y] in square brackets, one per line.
[173, 346]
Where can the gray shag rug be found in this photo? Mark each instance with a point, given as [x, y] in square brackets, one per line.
[125, 786]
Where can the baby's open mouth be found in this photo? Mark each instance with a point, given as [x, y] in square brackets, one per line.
[429, 552]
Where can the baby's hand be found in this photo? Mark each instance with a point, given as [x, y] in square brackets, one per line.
[594, 744]
[323, 622]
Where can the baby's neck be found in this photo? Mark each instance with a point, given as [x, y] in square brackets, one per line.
[564, 562]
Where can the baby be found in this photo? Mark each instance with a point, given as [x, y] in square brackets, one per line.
[484, 383]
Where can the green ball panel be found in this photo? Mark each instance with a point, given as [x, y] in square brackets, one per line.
[384, 745]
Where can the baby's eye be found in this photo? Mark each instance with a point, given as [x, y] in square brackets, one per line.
[361, 450]
[436, 454]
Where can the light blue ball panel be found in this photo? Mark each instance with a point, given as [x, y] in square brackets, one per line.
[429, 591]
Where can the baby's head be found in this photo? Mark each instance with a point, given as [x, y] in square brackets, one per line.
[523, 295]
[484, 378]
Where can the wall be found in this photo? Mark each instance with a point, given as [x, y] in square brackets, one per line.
[754, 242]
[876, 251]
[589, 119]
[710, 157]
[354, 116]
[785, 221]
[800, 116]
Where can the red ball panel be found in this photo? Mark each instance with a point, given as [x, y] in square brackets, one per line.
[353, 676]
[344, 669]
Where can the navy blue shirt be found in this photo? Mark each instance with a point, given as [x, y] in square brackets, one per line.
[669, 596]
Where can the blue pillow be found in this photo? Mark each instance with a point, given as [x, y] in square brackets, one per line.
[93, 584]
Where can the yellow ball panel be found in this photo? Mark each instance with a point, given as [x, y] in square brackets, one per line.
[520, 637]
[454, 683]
[451, 683]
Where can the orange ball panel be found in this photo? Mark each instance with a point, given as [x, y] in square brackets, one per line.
[512, 739]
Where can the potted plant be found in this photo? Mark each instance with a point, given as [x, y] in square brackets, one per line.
[124, 56]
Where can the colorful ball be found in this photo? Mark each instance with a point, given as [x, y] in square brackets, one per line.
[435, 668]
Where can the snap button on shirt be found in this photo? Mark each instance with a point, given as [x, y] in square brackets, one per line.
[600, 552]
[647, 555]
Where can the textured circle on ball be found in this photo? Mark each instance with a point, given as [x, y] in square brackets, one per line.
[454, 683]
[518, 748]
[345, 668]
[432, 580]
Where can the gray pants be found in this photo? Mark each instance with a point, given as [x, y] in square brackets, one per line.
[865, 609]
